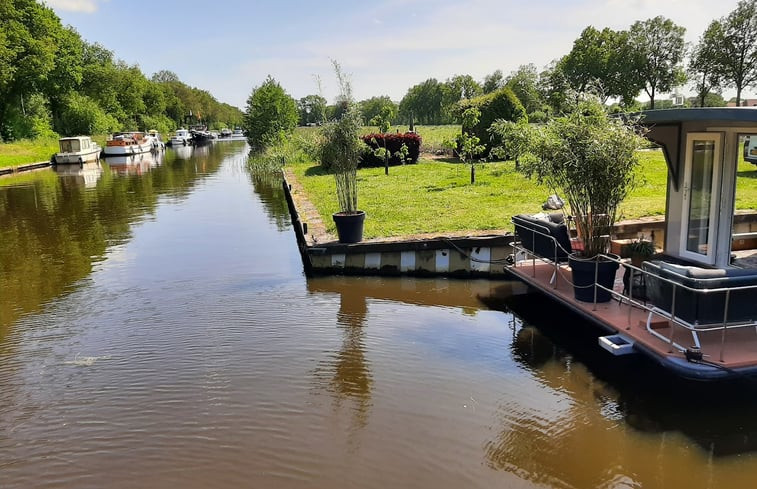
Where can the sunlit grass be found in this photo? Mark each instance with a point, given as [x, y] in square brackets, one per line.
[27, 151]
[436, 196]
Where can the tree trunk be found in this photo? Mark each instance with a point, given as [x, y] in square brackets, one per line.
[738, 96]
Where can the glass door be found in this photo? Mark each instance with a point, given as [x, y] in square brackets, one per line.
[701, 196]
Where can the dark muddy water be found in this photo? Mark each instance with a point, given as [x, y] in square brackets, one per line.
[156, 330]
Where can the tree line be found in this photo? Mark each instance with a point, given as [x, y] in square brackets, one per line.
[650, 57]
[54, 82]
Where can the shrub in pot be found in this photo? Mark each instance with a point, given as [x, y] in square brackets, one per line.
[341, 148]
[589, 158]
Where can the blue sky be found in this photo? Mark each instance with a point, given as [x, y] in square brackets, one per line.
[229, 47]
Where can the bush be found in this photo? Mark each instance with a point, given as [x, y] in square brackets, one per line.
[82, 115]
[394, 142]
[500, 104]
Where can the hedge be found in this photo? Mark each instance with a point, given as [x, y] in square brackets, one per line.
[500, 104]
[394, 142]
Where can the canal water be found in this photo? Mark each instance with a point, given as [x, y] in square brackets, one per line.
[156, 330]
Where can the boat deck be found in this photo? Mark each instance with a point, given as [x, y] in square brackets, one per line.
[729, 351]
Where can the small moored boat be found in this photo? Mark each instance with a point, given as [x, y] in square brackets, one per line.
[127, 143]
[181, 137]
[76, 150]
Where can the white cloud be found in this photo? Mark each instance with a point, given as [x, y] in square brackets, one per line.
[84, 6]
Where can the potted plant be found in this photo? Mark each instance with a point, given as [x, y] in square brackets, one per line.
[341, 148]
[640, 249]
[589, 158]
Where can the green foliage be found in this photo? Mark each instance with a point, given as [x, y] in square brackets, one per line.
[524, 82]
[501, 104]
[704, 67]
[423, 103]
[733, 44]
[657, 47]
[493, 81]
[271, 114]
[590, 159]
[382, 107]
[312, 110]
[341, 146]
[514, 139]
[82, 115]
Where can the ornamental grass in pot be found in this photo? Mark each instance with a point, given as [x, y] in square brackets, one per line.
[341, 149]
[590, 159]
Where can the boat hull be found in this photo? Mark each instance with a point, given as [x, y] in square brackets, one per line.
[77, 158]
[128, 149]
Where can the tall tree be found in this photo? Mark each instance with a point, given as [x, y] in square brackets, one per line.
[423, 103]
[493, 81]
[704, 67]
[736, 47]
[312, 109]
[455, 89]
[658, 48]
[524, 82]
[379, 106]
[270, 114]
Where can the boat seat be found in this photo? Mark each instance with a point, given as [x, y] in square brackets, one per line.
[548, 238]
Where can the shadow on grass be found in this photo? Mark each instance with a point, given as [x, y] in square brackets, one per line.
[315, 171]
[747, 174]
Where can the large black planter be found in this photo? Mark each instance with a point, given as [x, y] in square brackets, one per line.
[584, 270]
[349, 226]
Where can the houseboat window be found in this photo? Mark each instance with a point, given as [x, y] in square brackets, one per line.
[700, 196]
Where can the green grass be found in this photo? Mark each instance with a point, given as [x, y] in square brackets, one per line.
[28, 151]
[437, 197]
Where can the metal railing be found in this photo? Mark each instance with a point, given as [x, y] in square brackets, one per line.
[653, 310]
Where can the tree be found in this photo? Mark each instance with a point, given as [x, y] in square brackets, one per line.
[658, 48]
[524, 82]
[455, 89]
[736, 47]
[423, 102]
[493, 81]
[589, 66]
[312, 109]
[379, 106]
[704, 67]
[270, 114]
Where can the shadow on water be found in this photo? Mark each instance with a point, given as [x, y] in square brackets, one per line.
[717, 417]
[59, 224]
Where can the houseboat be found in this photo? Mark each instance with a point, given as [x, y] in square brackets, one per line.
[181, 137]
[692, 307]
[127, 143]
[76, 150]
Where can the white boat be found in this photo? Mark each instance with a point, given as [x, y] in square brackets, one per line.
[238, 134]
[156, 140]
[127, 143]
[181, 137]
[76, 150]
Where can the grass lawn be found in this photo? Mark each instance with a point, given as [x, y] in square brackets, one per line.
[28, 151]
[435, 196]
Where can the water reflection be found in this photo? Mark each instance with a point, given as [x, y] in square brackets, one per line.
[57, 226]
[134, 164]
[87, 174]
[268, 186]
[612, 422]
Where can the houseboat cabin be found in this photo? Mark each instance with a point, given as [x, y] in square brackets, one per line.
[693, 306]
[76, 150]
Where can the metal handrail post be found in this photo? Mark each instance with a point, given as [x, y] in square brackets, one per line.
[596, 277]
[725, 325]
[673, 316]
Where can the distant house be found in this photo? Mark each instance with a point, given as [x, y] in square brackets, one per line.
[748, 102]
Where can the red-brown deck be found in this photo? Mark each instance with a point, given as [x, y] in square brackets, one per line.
[737, 349]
